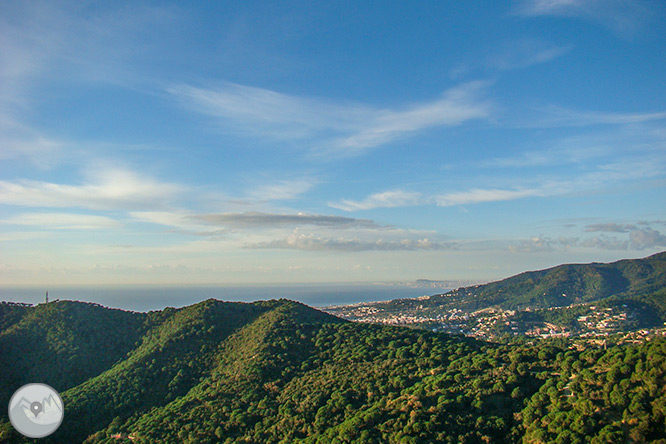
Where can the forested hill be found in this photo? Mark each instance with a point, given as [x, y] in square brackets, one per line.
[111, 363]
[282, 372]
[637, 286]
[573, 283]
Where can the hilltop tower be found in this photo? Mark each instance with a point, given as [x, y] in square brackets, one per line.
[47, 296]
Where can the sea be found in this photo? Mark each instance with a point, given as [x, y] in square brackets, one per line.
[149, 298]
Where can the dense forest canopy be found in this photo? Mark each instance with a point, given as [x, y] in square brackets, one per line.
[279, 371]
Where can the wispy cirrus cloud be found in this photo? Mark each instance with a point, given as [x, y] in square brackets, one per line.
[30, 36]
[454, 107]
[91, 43]
[625, 18]
[625, 152]
[111, 188]
[523, 53]
[512, 55]
[552, 7]
[43, 42]
[399, 198]
[556, 116]
[21, 142]
[548, 157]
[332, 128]
[621, 170]
[386, 199]
[478, 195]
[63, 221]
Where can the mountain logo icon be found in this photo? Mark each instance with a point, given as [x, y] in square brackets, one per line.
[36, 410]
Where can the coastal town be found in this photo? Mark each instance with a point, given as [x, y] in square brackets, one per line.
[581, 321]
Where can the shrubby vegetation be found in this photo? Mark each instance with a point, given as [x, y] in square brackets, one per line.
[281, 372]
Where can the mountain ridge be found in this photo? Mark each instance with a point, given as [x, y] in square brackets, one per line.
[170, 352]
[636, 284]
[602, 280]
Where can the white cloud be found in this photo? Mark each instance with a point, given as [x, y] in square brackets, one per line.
[533, 245]
[273, 113]
[386, 199]
[105, 189]
[332, 128]
[604, 242]
[398, 198]
[540, 244]
[484, 195]
[456, 106]
[646, 163]
[63, 221]
[636, 239]
[646, 238]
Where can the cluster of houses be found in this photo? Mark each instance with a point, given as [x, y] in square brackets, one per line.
[490, 323]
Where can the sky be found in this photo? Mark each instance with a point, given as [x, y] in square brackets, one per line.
[240, 142]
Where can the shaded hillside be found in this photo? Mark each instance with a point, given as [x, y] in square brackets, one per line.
[11, 313]
[63, 342]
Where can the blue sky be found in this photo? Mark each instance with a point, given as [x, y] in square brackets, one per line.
[258, 142]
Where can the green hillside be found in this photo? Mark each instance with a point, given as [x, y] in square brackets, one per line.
[281, 372]
[568, 284]
[65, 343]
[565, 285]
[630, 293]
